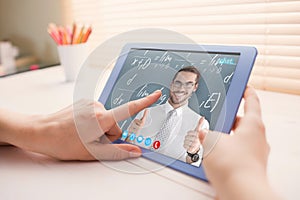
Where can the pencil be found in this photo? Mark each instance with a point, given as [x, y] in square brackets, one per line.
[80, 35]
[73, 33]
[54, 31]
[68, 32]
[54, 37]
[86, 35]
[62, 35]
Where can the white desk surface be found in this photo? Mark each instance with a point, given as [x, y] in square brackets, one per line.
[25, 175]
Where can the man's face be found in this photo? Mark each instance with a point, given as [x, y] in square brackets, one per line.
[182, 87]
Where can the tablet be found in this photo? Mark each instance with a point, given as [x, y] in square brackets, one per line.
[201, 85]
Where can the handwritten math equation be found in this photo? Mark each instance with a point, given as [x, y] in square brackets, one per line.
[142, 67]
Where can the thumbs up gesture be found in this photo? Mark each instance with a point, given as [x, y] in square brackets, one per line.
[192, 139]
[137, 124]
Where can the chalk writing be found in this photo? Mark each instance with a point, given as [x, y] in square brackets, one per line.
[129, 81]
[134, 61]
[163, 57]
[156, 58]
[143, 92]
[212, 101]
[118, 100]
[228, 77]
[141, 62]
[213, 60]
[163, 97]
[218, 60]
[216, 69]
[180, 66]
[227, 61]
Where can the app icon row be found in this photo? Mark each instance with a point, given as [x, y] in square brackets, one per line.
[139, 139]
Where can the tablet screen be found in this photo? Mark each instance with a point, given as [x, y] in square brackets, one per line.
[194, 86]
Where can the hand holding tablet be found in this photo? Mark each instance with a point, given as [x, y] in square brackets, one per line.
[242, 171]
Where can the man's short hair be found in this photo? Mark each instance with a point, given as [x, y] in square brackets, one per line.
[191, 69]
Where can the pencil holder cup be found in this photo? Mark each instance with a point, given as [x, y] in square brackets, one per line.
[72, 58]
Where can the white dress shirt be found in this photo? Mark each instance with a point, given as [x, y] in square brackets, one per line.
[186, 120]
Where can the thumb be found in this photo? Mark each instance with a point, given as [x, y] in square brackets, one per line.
[114, 151]
[144, 115]
[202, 135]
[126, 151]
[199, 125]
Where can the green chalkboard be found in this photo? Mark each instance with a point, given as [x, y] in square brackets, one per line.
[146, 70]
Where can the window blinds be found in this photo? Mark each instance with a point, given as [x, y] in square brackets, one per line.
[272, 26]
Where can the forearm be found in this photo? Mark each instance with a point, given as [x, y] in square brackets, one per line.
[16, 129]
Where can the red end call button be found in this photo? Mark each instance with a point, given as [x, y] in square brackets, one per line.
[156, 144]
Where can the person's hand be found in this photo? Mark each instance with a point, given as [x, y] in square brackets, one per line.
[137, 124]
[191, 141]
[80, 132]
[236, 165]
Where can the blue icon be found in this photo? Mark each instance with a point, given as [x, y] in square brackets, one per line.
[124, 134]
[139, 139]
[132, 136]
[148, 141]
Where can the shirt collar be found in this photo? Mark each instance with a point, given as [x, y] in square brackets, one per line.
[168, 107]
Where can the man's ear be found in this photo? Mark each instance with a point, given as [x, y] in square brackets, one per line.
[195, 87]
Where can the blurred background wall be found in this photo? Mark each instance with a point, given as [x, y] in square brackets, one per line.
[272, 26]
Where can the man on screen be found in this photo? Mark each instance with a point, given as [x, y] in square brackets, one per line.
[172, 128]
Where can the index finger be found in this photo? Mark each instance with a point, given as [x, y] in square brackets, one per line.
[131, 108]
[199, 125]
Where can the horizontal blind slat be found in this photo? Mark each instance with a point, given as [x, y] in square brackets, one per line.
[284, 85]
[278, 61]
[270, 71]
[113, 3]
[241, 29]
[147, 10]
[274, 18]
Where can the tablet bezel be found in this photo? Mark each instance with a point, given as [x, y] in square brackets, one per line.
[231, 103]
